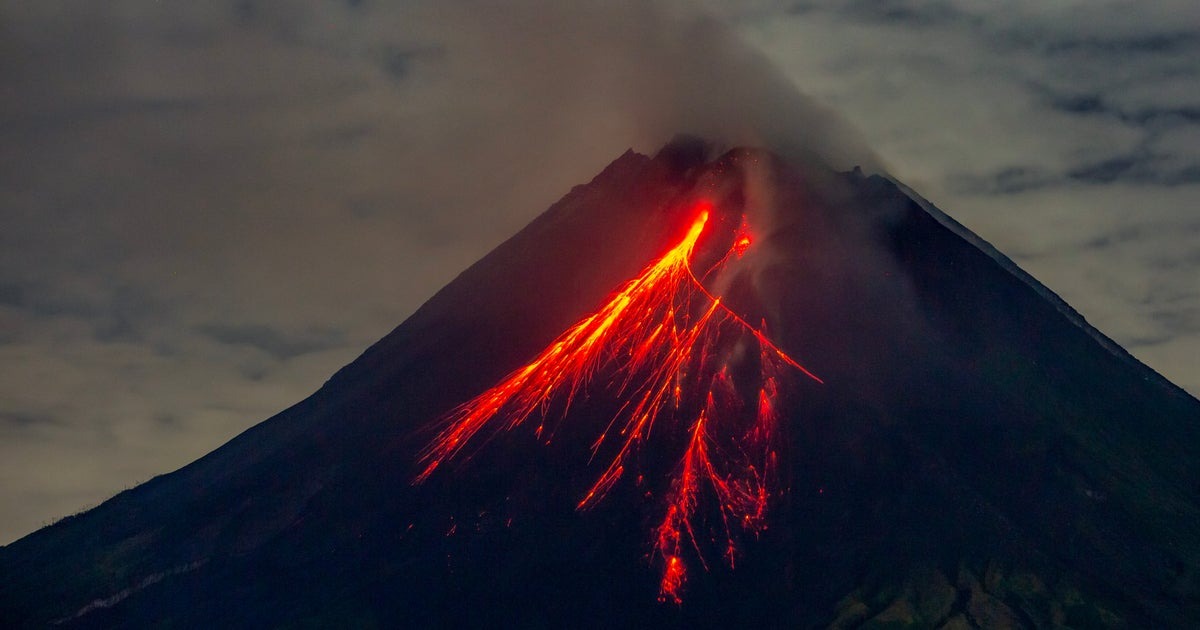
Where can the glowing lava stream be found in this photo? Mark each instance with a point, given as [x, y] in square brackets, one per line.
[673, 341]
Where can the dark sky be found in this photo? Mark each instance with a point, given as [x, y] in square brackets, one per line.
[207, 208]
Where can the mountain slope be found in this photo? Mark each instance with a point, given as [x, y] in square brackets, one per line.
[976, 454]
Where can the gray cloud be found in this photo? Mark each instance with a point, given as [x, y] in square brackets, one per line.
[278, 344]
[25, 418]
[1064, 133]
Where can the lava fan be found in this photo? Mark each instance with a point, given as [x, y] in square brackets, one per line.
[668, 347]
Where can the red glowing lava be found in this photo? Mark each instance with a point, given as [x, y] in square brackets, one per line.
[669, 342]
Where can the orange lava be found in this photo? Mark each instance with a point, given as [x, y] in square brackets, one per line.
[668, 340]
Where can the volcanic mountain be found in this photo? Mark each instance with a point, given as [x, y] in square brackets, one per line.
[701, 390]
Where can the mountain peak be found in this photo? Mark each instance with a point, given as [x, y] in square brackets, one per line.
[702, 390]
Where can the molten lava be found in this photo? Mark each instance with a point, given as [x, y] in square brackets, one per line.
[674, 351]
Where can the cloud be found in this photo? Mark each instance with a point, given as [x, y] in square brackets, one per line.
[1064, 133]
[278, 344]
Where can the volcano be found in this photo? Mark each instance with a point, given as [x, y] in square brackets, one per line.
[702, 390]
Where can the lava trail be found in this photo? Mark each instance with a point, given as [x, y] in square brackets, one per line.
[664, 341]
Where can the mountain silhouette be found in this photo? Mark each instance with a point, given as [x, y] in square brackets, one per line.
[954, 445]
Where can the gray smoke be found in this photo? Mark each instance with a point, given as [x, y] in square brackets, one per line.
[601, 76]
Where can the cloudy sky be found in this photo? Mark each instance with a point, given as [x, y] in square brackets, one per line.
[207, 208]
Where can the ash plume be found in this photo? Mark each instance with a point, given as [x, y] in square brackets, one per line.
[604, 76]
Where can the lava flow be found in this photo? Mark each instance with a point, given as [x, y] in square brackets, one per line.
[676, 352]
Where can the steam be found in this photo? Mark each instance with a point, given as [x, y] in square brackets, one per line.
[598, 77]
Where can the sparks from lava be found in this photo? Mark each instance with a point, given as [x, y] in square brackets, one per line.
[669, 340]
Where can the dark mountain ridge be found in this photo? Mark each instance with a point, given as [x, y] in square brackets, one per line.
[977, 453]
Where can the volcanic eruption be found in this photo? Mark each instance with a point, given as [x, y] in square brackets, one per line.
[669, 351]
[706, 389]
